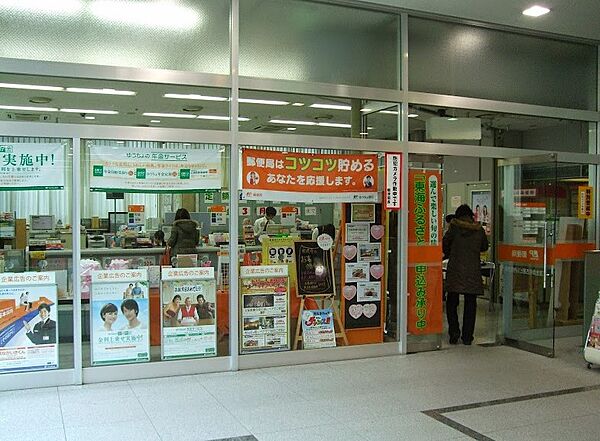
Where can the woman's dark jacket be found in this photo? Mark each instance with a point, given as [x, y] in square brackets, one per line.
[184, 237]
[463, 242]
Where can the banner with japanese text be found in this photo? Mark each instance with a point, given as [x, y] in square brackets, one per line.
[120, 317]
[189, 318]
[425, 252]
[28, 322]
[393, 181]
[147, 170]
[28, 166]
[304, 177]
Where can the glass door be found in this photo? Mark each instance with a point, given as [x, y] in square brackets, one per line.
[546, 219]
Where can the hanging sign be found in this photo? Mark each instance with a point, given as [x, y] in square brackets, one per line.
[425, 252]
[317, 329]
[138, 170]
[264, 308]
[585, 204]
[393, 181]
[136, 214]
[119, 317]
[28, 316]
[28, 166]
[300, 177]
[189, 321]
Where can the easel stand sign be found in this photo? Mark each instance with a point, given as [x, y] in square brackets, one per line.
[28, 317]
[264, 308]
[120, 317]
[315, 280]
[189, 313]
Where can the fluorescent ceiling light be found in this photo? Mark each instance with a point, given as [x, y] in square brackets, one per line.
[413, 115]
[291, 129]
[271, 102]
[339, 125]
[98, 112]
[120, 142]
[220, 118]
[293, 122]
[53, 7]
[89, 117]
[155, 121]
[186, 144]
[170, 115]
[330, 106]
[297, 104]
[364, 133]
[159, 14]
[193, 96]
[31, 87]
[452, 119]
[101, 91]
[29, 108]
[389, 112]
[536, 11]
[366, 110]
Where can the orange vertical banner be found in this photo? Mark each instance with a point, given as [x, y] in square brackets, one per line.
[425, 252]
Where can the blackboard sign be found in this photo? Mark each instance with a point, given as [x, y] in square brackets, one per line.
[314, 270]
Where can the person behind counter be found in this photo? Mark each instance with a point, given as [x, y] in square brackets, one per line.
[185, 236]
[159, 239]
[260, 225]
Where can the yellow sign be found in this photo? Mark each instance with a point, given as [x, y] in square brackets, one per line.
[585, 202]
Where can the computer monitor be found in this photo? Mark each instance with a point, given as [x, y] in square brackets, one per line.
[42, 222]
[278, 229]
[116, 219]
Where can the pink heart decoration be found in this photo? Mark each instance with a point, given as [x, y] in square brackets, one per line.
[349, 292]
[355, 310]
[349, 252]
[377, 231]
[377, 271]
[369, 310]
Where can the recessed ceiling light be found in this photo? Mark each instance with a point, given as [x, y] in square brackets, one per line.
[193, 96]
[31, 87]
[413, 115]
[155, 121]
[30, 108]
[293, 122]
[40, 100]
[192, 108]
[297, 104]
[89, 117]
[331, 106]
[536, 11]
[271, 102]
[170, 115]
[338, 125]
[291, 129]
[101, 91]
[161, 14]
[98, 112]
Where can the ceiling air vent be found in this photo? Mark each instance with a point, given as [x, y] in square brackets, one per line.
[29, 117]
[268, 128]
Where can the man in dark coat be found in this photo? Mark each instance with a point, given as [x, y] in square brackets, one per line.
[463, 243]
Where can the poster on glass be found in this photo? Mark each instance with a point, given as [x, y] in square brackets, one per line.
[318, 330]
[189, 313]
[119, 317]
[264, 308]
[28, 316]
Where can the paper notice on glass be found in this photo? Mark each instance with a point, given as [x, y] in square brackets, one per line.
[317, 329]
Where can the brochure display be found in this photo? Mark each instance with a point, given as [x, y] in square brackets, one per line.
[317, 329]
[189, 317]
[119, 317]
[28, 331]
[264, 308]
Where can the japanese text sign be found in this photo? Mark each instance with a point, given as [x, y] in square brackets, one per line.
[27, 166]
[148, 170]
[393, 181]
[585, 205]
[302, 177]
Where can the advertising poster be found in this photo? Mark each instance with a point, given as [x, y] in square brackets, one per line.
[28, 317]
[357, 232]
[278, 251]
[424, 252]
[369, 252]
[189, 313]
[481, 203]
[119, 309]
[363, 213]
[318, 330]
[264, 308]
[146, 170]
[299, 177]
[26, 166]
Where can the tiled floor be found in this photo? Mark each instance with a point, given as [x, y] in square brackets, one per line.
[372, 400]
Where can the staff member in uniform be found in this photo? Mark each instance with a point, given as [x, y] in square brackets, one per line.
[260, 225]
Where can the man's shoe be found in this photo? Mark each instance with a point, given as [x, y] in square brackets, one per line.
[453, 340]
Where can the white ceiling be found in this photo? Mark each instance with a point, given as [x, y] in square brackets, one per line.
[575, 18]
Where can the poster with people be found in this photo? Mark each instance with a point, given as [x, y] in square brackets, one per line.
[264, 305]
[481, 204]
[189, 312]
[28, 322]
[119, 310]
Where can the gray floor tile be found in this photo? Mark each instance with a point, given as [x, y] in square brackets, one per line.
[110, 431]
[16, 405]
